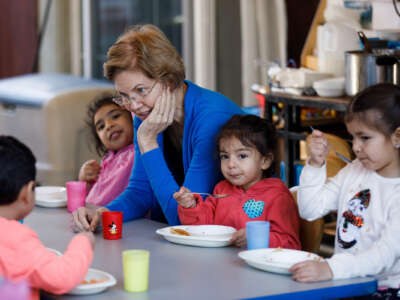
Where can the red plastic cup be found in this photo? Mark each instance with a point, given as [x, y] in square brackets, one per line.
[76, 195]
[112, 224]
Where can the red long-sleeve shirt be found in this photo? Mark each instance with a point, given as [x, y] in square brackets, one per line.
[267, 200]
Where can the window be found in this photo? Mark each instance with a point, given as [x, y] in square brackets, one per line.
[109, 19]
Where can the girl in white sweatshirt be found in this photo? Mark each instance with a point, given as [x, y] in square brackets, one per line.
[365, 193]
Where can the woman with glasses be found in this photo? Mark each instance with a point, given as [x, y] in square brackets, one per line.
[175, 126]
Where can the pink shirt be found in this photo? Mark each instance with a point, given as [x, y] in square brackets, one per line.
[23, 256]
[114, 176]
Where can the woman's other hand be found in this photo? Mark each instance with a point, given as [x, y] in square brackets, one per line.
[89, 171]
[185, 199]
[311, 271]
[239, 238]
[318, 148]
[87, 219]
[158, 120]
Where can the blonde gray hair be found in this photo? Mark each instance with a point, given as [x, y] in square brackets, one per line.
[145, 48]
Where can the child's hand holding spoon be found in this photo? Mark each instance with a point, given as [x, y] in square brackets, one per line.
[318, 135]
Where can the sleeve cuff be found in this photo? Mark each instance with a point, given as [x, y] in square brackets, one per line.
[340, 267]
[311, 174]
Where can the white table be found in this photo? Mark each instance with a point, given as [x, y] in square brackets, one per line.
[185, 272]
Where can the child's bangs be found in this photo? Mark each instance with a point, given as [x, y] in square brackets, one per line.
[372, 118]
[246, 138]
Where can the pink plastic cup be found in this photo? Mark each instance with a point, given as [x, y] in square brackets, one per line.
[76, 195]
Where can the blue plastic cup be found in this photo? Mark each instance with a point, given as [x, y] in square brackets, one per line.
[257, 234]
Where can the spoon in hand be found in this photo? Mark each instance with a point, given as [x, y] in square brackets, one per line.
[341, 156]
[216, 196]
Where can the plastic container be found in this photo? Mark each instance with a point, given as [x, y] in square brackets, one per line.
[299, 78]
[384, 15]
[363, 8]
[333, 40]
[335, 11]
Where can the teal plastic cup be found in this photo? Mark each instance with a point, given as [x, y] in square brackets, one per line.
[257, 234]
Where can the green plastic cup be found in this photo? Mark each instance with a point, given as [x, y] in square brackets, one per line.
[136, 270]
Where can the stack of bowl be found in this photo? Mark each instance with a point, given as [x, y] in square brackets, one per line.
[50, 196]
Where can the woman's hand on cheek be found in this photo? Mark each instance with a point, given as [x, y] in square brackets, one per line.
[158, 120]
[311, 271]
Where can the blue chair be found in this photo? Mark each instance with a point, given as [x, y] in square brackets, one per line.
[14, 290]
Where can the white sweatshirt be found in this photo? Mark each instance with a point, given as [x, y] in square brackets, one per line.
[368, 225]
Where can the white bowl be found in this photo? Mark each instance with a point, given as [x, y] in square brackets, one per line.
[325, 92]
[333, 87]
[50, 192]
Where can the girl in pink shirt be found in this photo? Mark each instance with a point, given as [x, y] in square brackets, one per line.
[112, 131]
[22, 255]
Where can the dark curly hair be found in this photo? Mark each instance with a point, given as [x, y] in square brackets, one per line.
[252, 131]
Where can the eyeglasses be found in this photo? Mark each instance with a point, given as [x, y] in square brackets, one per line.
[138, 94]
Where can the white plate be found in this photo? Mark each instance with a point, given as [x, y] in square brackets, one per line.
[276, 260]
[94, 288]
[200, 235]
[50, 196]
[55, 251]
[51, 202]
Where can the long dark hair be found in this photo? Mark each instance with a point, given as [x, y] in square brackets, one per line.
[252, 131]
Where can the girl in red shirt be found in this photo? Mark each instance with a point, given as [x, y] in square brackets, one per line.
[246, 144]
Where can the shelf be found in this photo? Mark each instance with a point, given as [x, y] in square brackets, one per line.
[320, 121]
